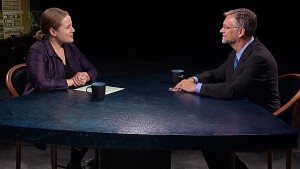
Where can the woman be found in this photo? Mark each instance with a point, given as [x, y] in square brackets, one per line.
[55, 63]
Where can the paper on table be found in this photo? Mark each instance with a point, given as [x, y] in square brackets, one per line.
[108, 90]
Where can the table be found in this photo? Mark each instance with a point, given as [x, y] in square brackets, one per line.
[144, 116]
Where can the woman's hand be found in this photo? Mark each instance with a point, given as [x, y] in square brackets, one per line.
[80, 79]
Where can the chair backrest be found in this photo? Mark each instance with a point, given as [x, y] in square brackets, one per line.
[289, 91]
[16, 79]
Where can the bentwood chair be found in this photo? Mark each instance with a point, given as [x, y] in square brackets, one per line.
[289, 91]
[16, 79]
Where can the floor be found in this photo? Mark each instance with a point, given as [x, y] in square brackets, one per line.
[33, 158]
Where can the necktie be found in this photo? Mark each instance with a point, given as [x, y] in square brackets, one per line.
[235, 62]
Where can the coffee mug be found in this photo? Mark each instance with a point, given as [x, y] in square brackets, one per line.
[177, 75]
[98, 91]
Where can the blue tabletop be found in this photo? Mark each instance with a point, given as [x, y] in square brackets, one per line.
[143, 116]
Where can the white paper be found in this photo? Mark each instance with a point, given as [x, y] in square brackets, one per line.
[108, 90]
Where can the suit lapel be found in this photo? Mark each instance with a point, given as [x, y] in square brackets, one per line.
[244, 57]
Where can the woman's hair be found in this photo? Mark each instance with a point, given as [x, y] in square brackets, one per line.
[50, 18]
[245, 19]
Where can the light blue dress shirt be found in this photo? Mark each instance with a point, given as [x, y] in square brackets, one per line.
[238, 55]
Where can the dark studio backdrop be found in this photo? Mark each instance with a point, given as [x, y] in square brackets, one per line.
[176, 32]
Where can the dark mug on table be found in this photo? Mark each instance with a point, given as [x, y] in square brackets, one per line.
[177, 75]
[98, 90]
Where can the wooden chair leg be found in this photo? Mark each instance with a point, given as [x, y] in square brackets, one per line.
[53, 156]
[18, 154]
[289, 159]
[97, 158]
[232, 162]
[270, 159]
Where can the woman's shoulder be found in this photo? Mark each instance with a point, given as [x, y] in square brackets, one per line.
[43, 47]
[70, 45]
[38, 44]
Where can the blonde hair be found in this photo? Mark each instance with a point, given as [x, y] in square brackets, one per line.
[50, 18]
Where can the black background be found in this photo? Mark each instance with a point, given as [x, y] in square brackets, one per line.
[179, 32]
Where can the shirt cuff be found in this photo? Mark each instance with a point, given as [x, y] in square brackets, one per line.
[198, 88]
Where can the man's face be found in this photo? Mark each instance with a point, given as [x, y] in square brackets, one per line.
[229, 30]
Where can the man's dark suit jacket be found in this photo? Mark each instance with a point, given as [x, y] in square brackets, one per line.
[255, 78]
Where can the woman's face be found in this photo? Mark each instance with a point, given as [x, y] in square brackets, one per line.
[65, 32]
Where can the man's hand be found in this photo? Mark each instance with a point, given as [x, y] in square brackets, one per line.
[187, 85]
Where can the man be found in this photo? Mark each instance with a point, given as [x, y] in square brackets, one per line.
[250, 71]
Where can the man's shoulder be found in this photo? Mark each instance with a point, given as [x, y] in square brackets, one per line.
[258, 47]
